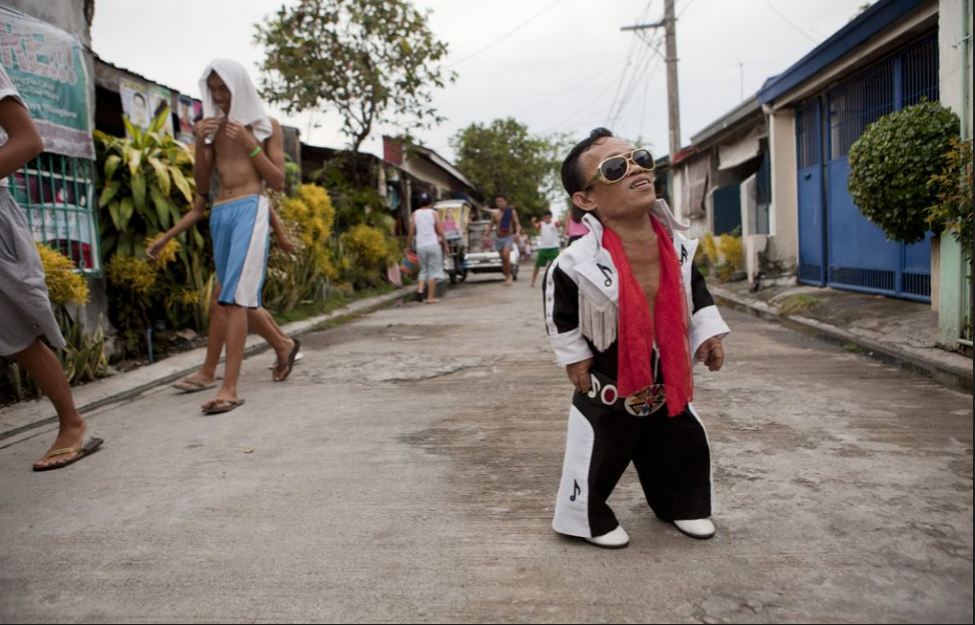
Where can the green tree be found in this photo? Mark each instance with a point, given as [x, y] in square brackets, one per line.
[505, 158]
[371, 60]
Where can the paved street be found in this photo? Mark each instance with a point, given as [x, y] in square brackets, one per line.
[407, 470]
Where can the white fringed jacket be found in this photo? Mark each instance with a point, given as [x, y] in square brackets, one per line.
[581, 297]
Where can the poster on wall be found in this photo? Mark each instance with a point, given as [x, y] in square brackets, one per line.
[135, 103]
[49, 69]
[160, 99]
[187, 111]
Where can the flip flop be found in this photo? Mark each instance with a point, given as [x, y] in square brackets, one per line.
[82, 452]
[290, 364]
[220, 406]
[192, 386]
[298, 359]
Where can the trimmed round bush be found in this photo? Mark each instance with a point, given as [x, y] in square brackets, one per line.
[892, 162]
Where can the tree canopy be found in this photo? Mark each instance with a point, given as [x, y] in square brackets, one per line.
[370, 60]
[504, 158]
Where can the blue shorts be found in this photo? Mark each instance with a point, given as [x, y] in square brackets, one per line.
[240, 229]
[504, 243]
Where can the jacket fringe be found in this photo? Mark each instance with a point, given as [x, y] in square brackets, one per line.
[598, 323]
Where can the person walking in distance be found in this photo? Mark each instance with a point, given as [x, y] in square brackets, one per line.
[427, 235]
[505, 220]
[548, 246]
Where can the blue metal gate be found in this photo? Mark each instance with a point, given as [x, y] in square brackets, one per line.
[855, 251]
[812, 209]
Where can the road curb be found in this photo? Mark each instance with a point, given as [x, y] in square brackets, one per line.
[31, 418]
[956, 378]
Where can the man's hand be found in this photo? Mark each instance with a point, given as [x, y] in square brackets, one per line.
[711, 353]
[578, 373]
[206, 128]
[239, 134]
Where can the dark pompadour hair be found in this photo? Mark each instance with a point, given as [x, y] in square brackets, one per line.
[572, 178]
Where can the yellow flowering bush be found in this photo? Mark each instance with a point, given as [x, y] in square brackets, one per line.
[135, 275]
[368, 244]
[733, 251]
[64, 286]
[311, 209]
[168, 253]
[711, 249]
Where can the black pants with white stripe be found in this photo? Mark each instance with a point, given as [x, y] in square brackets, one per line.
[671, 455]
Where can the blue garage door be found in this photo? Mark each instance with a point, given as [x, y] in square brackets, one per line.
[852, 252]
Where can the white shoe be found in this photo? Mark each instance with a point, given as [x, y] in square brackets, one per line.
[696, 528]
[617, 539]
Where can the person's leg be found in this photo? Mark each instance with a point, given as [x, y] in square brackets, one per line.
[236, 338]
[673, 460]
[216, 333]
[506, 263]
[260, 321]
[599, 445]
[542, 260]
[45, 368]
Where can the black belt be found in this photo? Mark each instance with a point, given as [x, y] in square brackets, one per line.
[603, 390]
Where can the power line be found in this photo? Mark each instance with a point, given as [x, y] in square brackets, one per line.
[629, 56]
[686, 8]
[504, 36]
[599, 73]
[635, 78]
[789, 22]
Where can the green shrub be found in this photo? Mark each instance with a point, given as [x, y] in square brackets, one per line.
[892, 162]
[146, 186]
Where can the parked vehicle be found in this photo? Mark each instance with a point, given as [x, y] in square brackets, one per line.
[455, 216]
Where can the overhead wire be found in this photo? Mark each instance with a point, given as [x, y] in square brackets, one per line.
[789, 22]
[629, 57]
[506, 35]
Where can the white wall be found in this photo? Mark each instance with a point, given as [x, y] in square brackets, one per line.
[784, 211]
[952, 301]
[950, 62]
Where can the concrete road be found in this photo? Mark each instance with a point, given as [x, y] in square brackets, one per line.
[407, 470]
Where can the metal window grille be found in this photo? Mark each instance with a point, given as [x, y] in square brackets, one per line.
[919, 69]
[808, 138]
[857, 103]
[56, 194]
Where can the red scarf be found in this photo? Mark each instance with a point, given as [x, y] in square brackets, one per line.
[637, 330]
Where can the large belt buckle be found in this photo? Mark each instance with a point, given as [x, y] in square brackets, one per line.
[646, 402]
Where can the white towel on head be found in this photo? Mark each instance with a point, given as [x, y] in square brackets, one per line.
[245, 106]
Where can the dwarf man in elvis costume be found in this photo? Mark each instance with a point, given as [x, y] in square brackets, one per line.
[626, 310]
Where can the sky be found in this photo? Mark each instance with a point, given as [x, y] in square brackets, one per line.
[554, 65]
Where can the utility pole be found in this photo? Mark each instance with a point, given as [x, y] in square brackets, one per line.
[669, 24]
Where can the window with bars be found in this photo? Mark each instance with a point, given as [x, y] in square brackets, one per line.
[56, 194]
[857, 103]
[901, 80]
